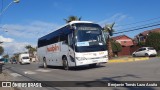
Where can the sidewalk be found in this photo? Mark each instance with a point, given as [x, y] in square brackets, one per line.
[4, 76]
[127, 59]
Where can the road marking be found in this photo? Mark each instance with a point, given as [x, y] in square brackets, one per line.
[15, 74]
[43, 70]
[29, 72]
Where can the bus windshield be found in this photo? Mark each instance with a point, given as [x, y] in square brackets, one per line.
[25, 57]
[89, 38]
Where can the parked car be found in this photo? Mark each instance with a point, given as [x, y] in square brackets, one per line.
[14, 61]
[145, 51]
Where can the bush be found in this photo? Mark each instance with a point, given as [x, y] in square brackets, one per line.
[141, 44]
[1, 50]
[116, 47]
[153, 40]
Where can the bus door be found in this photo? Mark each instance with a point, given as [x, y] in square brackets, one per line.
[71, 51]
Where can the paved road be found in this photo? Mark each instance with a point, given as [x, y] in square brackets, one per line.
[131, 71]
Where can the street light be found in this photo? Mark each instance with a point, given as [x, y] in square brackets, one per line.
[14, 1]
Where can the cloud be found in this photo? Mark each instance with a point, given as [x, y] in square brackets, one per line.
[115, 18]
[3, 39]
[31, 30]
[15, 47]
[25, 34]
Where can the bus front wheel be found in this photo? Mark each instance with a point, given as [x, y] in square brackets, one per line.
[44, 63]
[65, 63]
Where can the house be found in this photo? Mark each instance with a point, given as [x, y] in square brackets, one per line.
[141, 37]
[123, 40]
[128, 46]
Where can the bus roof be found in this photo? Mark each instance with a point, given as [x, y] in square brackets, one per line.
[73, 22]
[70, 23]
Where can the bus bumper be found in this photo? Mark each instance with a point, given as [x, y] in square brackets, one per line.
[92, 61]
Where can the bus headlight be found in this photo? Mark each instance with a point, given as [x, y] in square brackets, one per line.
[81, 58]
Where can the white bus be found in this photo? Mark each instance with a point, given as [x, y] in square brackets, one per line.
[75, 44]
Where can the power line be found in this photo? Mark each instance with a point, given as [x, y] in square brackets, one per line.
[137, 28]
[139, 22]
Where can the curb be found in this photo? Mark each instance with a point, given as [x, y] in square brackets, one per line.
[128, 60]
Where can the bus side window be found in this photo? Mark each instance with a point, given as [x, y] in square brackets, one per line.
[42, 43]
[52, 40]
[64, 39]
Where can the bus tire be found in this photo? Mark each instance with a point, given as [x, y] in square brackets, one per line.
[65, 63]
[44, 63]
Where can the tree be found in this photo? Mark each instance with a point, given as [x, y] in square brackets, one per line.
[108, 29]
[72, 18]
[116, 47]
[6, 56]
[141, 44]
[31, 50]
[1, 50]
[28, 47]
[153, 40]
[16, 56]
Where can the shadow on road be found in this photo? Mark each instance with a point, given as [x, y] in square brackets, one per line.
[86, 67]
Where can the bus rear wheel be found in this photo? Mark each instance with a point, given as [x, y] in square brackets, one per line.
[44, 63]
[65, 63]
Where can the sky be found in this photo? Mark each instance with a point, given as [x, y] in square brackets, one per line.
[24, 22]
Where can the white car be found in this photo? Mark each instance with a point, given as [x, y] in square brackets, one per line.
[145, 51]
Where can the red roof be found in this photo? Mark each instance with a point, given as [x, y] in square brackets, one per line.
[123, 40]
[119, 37]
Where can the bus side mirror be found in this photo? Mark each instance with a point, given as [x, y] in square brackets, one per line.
[72, 27]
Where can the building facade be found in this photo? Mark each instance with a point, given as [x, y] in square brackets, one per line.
[141, 37]
[127, 43]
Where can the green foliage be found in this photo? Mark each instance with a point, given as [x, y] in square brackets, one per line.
[31, 50]
[116, 47]
[158, 54]
[141, 44]
[1, 50]
[6, 56]
[109, 28]
[72, 18]
[153, 40]
[16, 56]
